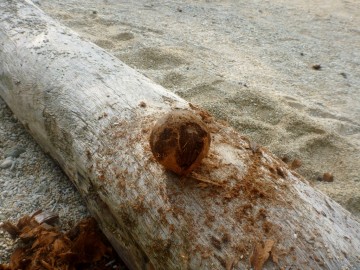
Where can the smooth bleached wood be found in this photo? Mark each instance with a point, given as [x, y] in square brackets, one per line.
[93, 114]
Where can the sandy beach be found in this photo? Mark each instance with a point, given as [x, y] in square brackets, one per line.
[283, 73]
[253, 64]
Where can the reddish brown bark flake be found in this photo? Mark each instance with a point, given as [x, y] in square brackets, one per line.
[261, 254]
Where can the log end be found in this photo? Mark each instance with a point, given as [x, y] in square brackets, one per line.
[179, 141]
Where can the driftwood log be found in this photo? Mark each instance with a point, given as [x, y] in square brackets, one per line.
[93, 115]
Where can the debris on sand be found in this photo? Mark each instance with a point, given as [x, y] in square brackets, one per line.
[43, 246]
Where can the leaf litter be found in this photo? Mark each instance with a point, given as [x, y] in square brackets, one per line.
[44, 246]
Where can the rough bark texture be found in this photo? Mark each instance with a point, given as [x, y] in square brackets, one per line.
[93, 114]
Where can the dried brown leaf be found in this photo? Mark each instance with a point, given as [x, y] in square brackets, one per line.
[23, 222]
[90, 247]
[45, 239]
[18, 259]
[69, 257]
[10, 229]
[46, 265]
[30, 233]
[33, 214]
[46, 217]
[61, 245]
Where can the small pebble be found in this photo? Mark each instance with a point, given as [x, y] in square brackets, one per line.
[15, 152]
[328, 177]
[7, 163]
[344, 75]
[316, 67]
[295, 164]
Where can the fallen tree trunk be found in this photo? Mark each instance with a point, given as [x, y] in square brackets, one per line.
[93, 114]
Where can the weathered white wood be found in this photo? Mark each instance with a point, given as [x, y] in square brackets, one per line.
[87, 109]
